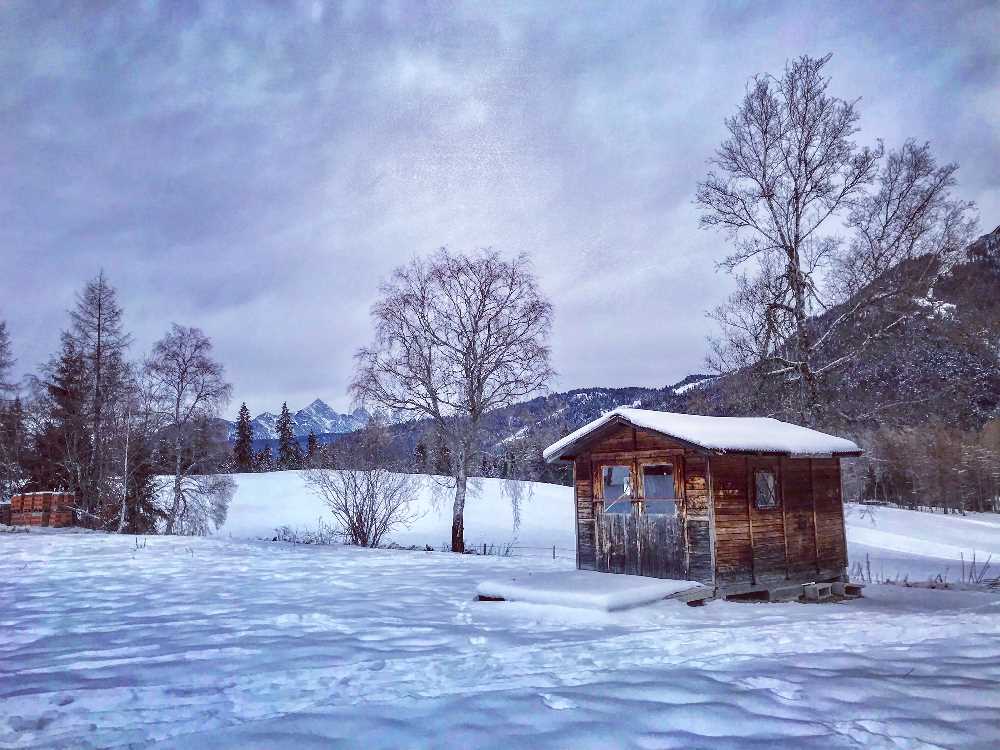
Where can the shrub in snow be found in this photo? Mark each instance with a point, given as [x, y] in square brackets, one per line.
[366, 503]
[323, 534]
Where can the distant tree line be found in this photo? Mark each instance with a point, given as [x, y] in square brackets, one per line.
[136, 441]
[932, 466]
[289, 454]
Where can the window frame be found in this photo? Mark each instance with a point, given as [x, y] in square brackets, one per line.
[605, 502]
[674, 476]
[636, 466]
[775, 488]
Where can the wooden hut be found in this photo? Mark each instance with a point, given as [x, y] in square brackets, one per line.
[743, 505]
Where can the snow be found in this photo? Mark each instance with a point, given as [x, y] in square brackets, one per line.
[682, 389]
[904, 544]
[583, 588]
[109, 641]
[264, 502]
[718, 433]
[894, 543]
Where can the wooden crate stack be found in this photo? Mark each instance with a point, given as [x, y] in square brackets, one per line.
[42, 509]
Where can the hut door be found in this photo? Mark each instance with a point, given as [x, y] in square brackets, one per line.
[638, 529]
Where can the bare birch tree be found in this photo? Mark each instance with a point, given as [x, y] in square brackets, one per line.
[457, 336]
[787, 184]
[190, 388]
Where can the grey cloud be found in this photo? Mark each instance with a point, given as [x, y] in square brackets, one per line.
[256, 168]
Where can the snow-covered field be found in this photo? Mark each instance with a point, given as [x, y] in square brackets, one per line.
[223, 642]
[894, 544]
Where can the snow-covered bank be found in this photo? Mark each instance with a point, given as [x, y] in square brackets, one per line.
[194, 642]
[911, 544]
[264, 502]
[892, 542]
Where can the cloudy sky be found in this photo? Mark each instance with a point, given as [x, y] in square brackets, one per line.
[255, 168]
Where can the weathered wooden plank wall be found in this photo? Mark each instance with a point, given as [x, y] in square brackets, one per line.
[733, 556]
[697, 518]
[802, 538]
[584, 489]
[641, 545]
[768, 526]
[830, 551]
[800, 530]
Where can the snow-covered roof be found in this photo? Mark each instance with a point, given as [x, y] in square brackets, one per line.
[723, 434]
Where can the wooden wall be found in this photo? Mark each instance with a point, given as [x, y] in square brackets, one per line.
[801, 539]
[831, 541]
[733, 560]
[698, 519]
[583, 481]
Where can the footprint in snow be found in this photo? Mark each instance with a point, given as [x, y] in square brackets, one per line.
[557, 702]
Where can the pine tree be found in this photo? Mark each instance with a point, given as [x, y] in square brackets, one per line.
[420, 457]
[6, 361]
[13, 449]
[99, 337]
[312, 447]
[63, 450]
[289, 452]
[243, 447]
[263, 460]
[12, 475]
[142, 512]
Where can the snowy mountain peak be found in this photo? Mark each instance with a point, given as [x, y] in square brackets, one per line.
[318, 418]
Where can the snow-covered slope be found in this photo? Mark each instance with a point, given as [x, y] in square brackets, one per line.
[264, 502]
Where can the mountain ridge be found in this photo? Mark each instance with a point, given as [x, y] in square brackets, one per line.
[317, 418]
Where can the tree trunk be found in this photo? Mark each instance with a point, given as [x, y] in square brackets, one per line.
[176, 507]
[808, 389]
[458, 514]
[122, 511]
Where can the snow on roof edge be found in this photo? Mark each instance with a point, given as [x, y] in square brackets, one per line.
[723, 434]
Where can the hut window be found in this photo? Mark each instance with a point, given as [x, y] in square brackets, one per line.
[617, 484]
[658, 489]
[766, 492]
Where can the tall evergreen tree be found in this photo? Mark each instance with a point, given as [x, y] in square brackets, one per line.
[312, 447]
[62, 449]
[12, 475]
[13, 448]
[99, 337]
[263, 460]
[6, 361]
[243, 447]
[289, 453]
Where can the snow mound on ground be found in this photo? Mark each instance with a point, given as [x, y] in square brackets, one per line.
[584, 588]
